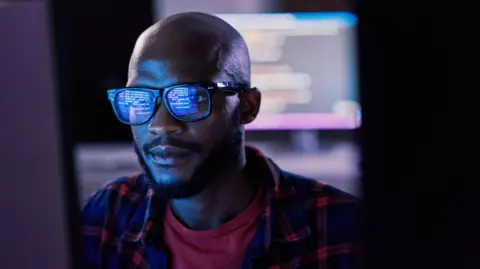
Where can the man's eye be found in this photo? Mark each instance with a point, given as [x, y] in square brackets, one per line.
[201, 98]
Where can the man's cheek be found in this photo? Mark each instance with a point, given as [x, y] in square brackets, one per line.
[205, 129]
[135, 132]
[139, 133]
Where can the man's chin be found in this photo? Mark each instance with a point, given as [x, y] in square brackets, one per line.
[176, 189]
[173, 182]
[170, 173]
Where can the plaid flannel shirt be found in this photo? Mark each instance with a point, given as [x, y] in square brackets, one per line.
[305, 224]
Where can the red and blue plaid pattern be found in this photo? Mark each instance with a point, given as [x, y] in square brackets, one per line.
[305, 224]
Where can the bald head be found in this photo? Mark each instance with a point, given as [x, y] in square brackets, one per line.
[193, 46]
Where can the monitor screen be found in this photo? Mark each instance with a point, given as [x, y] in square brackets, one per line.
[33, 163]
[305, 66]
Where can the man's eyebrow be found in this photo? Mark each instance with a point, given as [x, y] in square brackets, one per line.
[144, 82]
[147, 86]
[141, 82]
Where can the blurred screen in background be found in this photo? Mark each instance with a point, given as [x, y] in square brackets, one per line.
[305, 66]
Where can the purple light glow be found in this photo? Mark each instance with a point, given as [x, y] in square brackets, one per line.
[324, 121]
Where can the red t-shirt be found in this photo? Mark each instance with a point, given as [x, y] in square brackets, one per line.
[221, 247]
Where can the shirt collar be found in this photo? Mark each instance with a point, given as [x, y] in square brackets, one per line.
[283, 218]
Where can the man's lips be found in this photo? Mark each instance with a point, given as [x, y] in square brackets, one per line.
[169, 155]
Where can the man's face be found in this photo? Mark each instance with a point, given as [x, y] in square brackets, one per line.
[184, 158]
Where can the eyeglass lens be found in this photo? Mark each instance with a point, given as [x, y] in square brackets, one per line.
[185, 103]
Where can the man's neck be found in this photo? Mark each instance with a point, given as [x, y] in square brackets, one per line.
[231, 194]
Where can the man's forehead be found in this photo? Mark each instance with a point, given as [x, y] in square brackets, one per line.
[156, 73]
[150, 72]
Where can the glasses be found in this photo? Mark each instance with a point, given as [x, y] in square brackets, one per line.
[185, 102]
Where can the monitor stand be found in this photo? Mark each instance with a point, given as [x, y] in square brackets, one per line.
[305, 141]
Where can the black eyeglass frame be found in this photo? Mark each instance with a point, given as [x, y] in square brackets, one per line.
[226, 87]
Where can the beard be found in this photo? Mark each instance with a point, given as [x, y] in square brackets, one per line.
[224, 154]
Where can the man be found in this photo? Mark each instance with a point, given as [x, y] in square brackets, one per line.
[205, 200]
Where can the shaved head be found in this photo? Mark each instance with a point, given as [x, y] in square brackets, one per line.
[195, 44]
[193, 49]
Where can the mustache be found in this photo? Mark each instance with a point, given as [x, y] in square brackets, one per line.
[175, 142]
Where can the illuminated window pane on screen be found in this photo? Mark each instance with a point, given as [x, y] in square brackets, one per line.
[183, 100]
[305, 66]
[135, 104]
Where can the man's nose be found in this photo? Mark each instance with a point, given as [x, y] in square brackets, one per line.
[163, 123]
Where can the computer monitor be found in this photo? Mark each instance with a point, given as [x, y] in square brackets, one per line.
[37, 231]
[305, 66]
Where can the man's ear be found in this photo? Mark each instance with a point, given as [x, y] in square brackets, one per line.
[250, 103]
